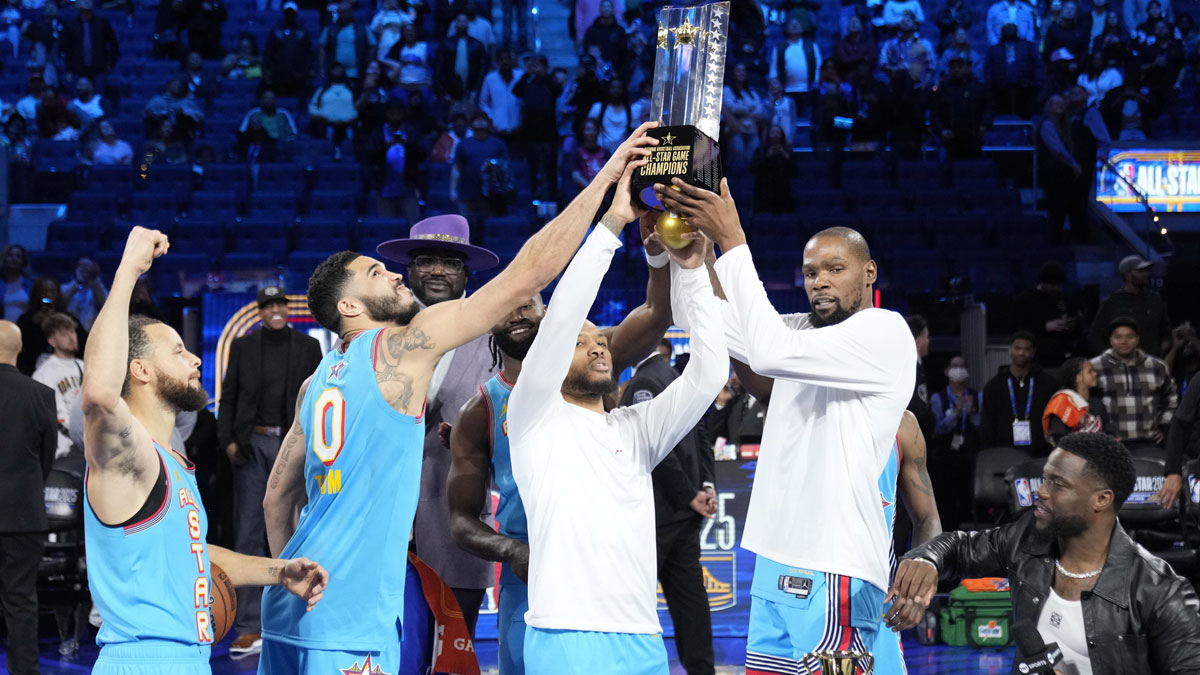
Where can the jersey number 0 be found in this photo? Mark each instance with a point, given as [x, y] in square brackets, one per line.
[330, 418]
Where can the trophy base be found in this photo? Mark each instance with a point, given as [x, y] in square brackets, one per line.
[682, 152]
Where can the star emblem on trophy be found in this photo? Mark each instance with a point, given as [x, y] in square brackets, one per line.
[689, 72]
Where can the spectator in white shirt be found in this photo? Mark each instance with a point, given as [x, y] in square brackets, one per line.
[838, 379]
[108, 149]
[388, 23]
[893, 11]
[1099, 78]
[796, 63]
[1015, 12]
[496, 97]
[85, 294]
[613, 115]
[333, 107]
[575, 492]
[62, 372]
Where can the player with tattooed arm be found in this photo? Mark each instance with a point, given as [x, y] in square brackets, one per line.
[354, 452]
[146, 529]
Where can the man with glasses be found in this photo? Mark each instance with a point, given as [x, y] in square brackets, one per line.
[440, 258]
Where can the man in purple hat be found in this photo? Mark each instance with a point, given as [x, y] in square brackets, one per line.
[355, 449]
[440, 258]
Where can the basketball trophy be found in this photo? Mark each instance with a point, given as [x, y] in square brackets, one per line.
[838, 663]
[689, 73]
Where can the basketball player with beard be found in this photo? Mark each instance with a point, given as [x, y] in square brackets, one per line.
[480, 449]
[584, 474]
[145, 527]
[838, 380]
[353, 456]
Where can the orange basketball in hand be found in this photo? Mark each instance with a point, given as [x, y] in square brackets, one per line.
[222, 602]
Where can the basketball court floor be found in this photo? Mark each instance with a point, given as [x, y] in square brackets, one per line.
[921, 660]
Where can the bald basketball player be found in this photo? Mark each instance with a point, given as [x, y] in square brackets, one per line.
[584, 474]
[353, 456]
[838, 380]
[479, 444]
[148, 558]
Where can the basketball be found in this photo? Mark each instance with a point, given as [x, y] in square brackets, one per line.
[222, 602]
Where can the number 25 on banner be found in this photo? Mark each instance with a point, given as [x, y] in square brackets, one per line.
[330, 418]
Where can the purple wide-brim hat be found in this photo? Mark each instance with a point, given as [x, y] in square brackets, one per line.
[450, 232]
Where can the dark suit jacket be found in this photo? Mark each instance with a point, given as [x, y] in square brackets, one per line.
[1025, 58]
[443, 67]
[682, 473]
[243, 380]
[737, 422]
[26, 450]
[105, 51]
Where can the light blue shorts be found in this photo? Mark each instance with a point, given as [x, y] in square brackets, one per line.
[796, 611]
[281, 658]
[153, 658]
[574, 652]
[889, 654]
[514, 602]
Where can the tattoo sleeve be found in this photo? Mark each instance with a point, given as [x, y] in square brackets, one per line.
[613, 224]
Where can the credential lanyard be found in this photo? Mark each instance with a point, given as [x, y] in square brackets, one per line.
[1012, 398]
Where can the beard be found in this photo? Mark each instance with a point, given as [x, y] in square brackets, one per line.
[389, 309]
[838, 315]
[583, 385]
[181, 396]
[1060, 527]
[515, 348]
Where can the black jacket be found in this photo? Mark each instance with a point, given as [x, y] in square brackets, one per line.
[1140, 618]
[105, 50]
[995, 415]
[740, 421]
[682, 473]
[26, 451]
[443, 65]
[1025, 58]
[243, 381]
[288, 55]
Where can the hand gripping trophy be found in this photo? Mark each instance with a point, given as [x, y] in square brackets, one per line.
[689, 75]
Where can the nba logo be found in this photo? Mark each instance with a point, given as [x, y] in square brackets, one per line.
[1024, 496]
[1194, 485]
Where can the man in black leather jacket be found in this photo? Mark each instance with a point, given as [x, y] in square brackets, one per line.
[1138, 616]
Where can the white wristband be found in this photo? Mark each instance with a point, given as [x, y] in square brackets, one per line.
[657, 261]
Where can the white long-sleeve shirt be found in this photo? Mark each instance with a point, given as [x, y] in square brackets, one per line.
[585, 476]
[496, 98]
[838, 398]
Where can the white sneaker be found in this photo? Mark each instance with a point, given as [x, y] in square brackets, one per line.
[245, 645]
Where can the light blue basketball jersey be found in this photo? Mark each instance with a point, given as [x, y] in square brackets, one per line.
[510, 513]
[887, 494]
[362, 473]
[150, 580]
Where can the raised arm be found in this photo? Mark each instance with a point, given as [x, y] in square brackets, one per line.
[540, 260]
[639, 333]
[112, 436]
[285, 492]
[549, 359]
[665, 420]
[467, 488]
[915, 487]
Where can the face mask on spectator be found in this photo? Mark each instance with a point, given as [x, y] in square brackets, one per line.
[958, 375]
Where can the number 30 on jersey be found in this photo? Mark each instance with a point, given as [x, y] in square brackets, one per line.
[330, 426]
